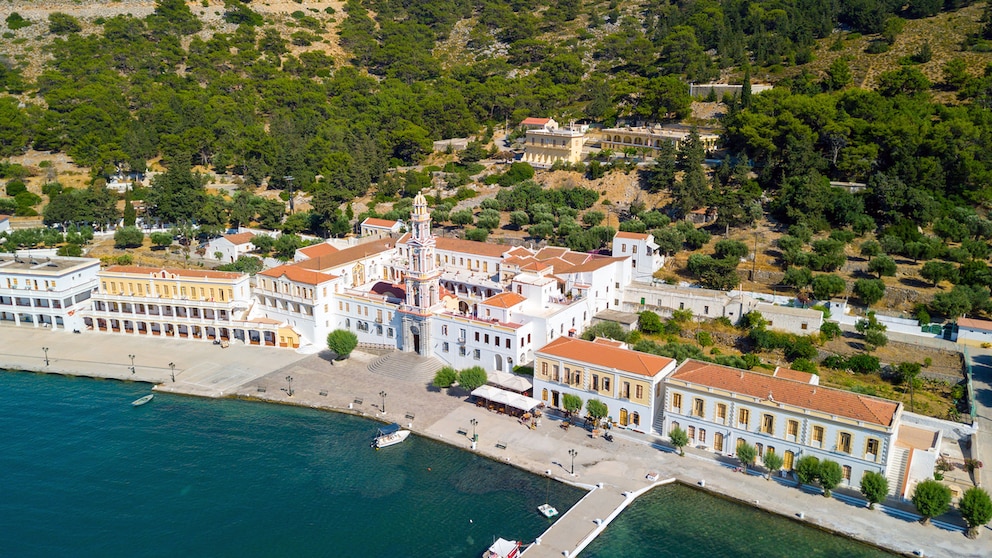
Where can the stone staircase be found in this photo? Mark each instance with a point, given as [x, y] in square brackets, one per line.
[406, 366]
[897, 472]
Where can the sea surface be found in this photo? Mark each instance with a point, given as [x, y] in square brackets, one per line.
[677, 521]
[82, 473]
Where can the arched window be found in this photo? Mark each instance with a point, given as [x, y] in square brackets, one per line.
[544, 394]
[674, 426]
[635, 418]
[787, 460]
[718, 441]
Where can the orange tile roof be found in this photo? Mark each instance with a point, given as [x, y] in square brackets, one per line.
[240, 238]
[972, 323]
[609, 342]
[186, 273]
[504, 300]
[598, 354]
[790, 374]
[348, 255]
[551, 252]
[318, 250]
[817, 398]
[374, 222]
[632, 235]
[593, 264]
[298, 274]
[531, 120]
[470, 247]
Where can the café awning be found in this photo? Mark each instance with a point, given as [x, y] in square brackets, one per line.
[507, 398]
[509, 381]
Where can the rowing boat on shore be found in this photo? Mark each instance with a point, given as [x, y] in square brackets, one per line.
[141, 401]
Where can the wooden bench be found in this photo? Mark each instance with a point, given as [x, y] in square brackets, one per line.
[462, 431]
[411, 416]
[501, 445]
[323, 392]
[358, 401]
[261, 390]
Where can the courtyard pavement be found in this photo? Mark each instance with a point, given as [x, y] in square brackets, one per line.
[619, 468]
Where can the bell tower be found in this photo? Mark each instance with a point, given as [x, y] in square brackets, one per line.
[423, 285]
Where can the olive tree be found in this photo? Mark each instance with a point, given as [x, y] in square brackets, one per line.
[679, 439]
[830, 474]
[342, 342]
[472, 378]
[976, 509]
[445, 377]
[931, 499]
[746, 453]
[874, 487]
[807, 469]
[597, 410]
[773, 462]
[572, 403]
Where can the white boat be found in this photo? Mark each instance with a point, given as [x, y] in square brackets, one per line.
[547, 510]
[143, 400]
[390, 436]
[503, 548]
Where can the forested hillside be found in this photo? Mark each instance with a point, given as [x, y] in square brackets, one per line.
[333, 94]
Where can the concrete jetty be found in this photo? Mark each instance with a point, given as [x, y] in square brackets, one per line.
[620, 467]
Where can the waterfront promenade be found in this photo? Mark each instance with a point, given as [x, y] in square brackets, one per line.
[620, 467]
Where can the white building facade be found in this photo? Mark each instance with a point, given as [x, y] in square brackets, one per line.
[46, 292]
[721, 407]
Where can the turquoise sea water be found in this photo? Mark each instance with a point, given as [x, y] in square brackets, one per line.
[82, 473]
[679, 521]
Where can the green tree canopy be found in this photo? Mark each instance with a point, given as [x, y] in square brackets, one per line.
[341, 342]
[445, 377]
[874, 487]
[571, 403]
[829, 475]
[679, 439]
[472, 378]
[931, 499]
[976, 509]
[746, 453]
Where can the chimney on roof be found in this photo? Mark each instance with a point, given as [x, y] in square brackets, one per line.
[742, 374]
[770, 398]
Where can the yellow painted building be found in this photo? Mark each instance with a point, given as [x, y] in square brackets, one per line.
[195, 304]
[628, 382]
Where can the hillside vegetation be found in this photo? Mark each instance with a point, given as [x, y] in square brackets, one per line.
[324, 98]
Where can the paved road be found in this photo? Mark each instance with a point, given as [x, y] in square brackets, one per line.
[981, 369]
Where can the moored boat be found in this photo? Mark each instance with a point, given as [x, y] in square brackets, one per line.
[502, 548]
[389, 436]
[141, 401]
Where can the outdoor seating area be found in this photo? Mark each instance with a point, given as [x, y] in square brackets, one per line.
[502, 401]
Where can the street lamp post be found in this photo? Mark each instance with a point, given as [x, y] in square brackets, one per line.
[46, 355]
[382, 394]
[573, 453]
[132, 363]
[289, 391]
[474, 422]
[172, 365]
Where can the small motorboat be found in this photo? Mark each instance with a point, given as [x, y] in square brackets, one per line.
[141, 401]
[547, 510]
[389, 436]
[502, 548]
